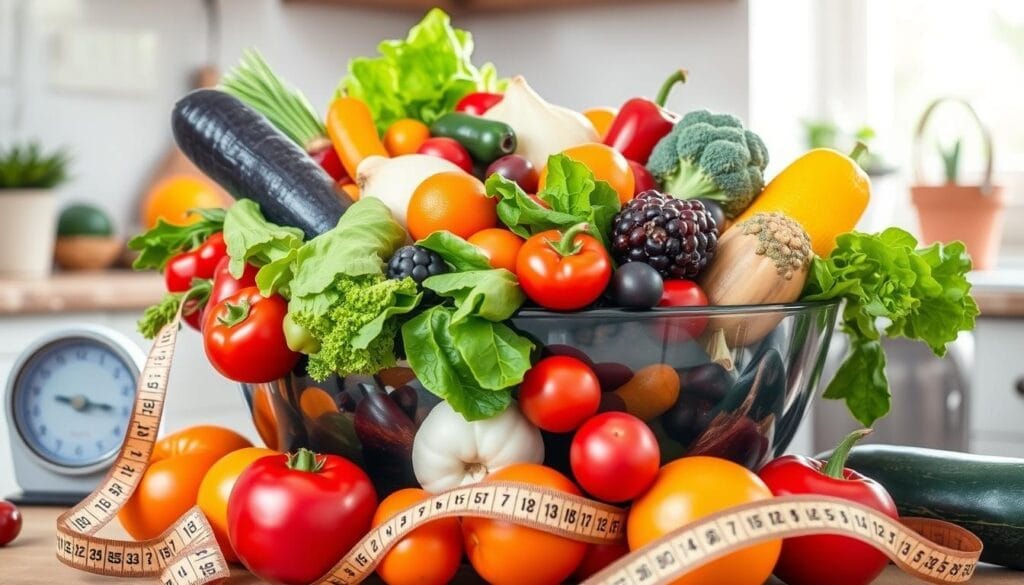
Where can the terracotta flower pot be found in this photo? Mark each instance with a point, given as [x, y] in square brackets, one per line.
[965, 213]
[28, 227]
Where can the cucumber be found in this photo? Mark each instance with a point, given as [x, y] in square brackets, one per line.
[485, 140]
[240, 150]
[982, 494]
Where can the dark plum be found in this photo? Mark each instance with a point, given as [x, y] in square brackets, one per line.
[516, 168]
[715, 210]
[636, 285]
[612, 375]
[709, 381]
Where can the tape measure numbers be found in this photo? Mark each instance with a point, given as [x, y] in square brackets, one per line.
[187, 553]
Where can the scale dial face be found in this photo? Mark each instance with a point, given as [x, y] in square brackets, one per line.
[72, 400]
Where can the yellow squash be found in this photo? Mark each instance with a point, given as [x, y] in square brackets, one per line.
[825, 190]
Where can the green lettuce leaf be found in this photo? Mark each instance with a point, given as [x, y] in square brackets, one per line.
[457, 252]
[250, 238]
[923, 294]
[159, 244]
[421, 77]
[492, 294]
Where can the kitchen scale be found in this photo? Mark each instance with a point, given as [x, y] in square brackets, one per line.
[68, 400]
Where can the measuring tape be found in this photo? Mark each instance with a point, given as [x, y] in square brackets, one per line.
[187, 552]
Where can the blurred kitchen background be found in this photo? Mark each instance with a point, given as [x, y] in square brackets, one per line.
[97, 78]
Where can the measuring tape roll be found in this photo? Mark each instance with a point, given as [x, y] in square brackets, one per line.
[187, 552]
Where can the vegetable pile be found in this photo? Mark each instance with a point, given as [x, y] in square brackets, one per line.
[406, 229]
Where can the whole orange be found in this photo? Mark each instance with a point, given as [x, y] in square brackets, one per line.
[606, 163]
[504, 553]
[601, 118]
[499, 245]
[689, 489]
[405, 136]
[173, 198]
[429, 555]
[215, 490]
[452, 201]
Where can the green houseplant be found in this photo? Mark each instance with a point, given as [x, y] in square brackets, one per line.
[953, 210]
[28, 208]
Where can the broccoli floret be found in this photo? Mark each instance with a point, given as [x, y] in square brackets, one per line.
[711, 156]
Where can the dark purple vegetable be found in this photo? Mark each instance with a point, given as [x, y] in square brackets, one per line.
[240, 150]
[612, 376]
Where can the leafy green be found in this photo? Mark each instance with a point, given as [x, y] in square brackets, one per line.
[922, 294]
[421, 77]
[457, 252]
[166, 240]
[156, 316]
[472, 364]
[572, 193]
[252, 239]
[357, 330]
[492, 294]
[28, 167]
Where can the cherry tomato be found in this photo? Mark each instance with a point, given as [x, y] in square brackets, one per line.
[506, 553]
[200, 262]
[643, 179]
[681, 293]
[405, 136]
[170, 485]
[10, 522]
[429, 555]
[448, 149]
[225, 285]
[500, 246]
[563, 272]
[516, 168]
[689, 489]
[216, 487]
[558, 393]
[614, 456]
[245, 325]
[291, 517]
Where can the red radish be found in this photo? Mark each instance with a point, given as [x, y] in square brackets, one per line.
[448, 149]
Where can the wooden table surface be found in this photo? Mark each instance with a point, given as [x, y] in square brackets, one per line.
[63, 292]
[30, 560]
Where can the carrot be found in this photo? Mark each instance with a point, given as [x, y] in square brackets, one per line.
[353, 133]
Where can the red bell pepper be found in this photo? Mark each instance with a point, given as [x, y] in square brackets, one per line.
[836, 560]
[478, 102]
[641, 123]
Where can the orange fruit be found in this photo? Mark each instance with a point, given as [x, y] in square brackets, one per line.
[505, 553]
[173, 198]
[689, 489]
[606, 163]
[499, 245]
[405, 136]
[429, 555]
[601, 118]
[452, 201]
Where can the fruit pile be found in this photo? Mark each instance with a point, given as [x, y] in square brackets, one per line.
[411, 226]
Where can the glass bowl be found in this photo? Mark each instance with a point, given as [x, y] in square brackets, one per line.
[732, 382]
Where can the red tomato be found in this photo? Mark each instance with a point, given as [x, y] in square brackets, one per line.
[200, 262]
[682, 293]
[598, 557]
[244, 337]
[558, 393]
[10, 522]
[291, 517]
[225, 285]
[478, 102]
[643, 178]
[563, 272]
[614, 456]
[448, 149]
[429, 555]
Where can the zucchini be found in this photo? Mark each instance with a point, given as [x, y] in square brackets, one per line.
[982, 494]
[485, 140]
[240, 150]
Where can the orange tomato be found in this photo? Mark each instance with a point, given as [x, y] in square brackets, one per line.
[499, 245]
[689, 489]
[352, 190]
[453, 201]
[601, 118]
[606, 163]
[215, 489]
[171, 484]
[405, 136]
[504, 553]
[172, 198]
[429, 555]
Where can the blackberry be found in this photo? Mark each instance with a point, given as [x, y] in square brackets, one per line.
[678, 237]
[417, 262]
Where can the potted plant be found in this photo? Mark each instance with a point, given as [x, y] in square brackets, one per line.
[28, 208]
[972, 214]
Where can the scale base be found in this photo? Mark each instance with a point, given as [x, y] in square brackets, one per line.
[62, 499]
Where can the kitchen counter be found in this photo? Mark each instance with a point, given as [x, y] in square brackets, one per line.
[65, 292]
[999, 293]
[29, 560]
